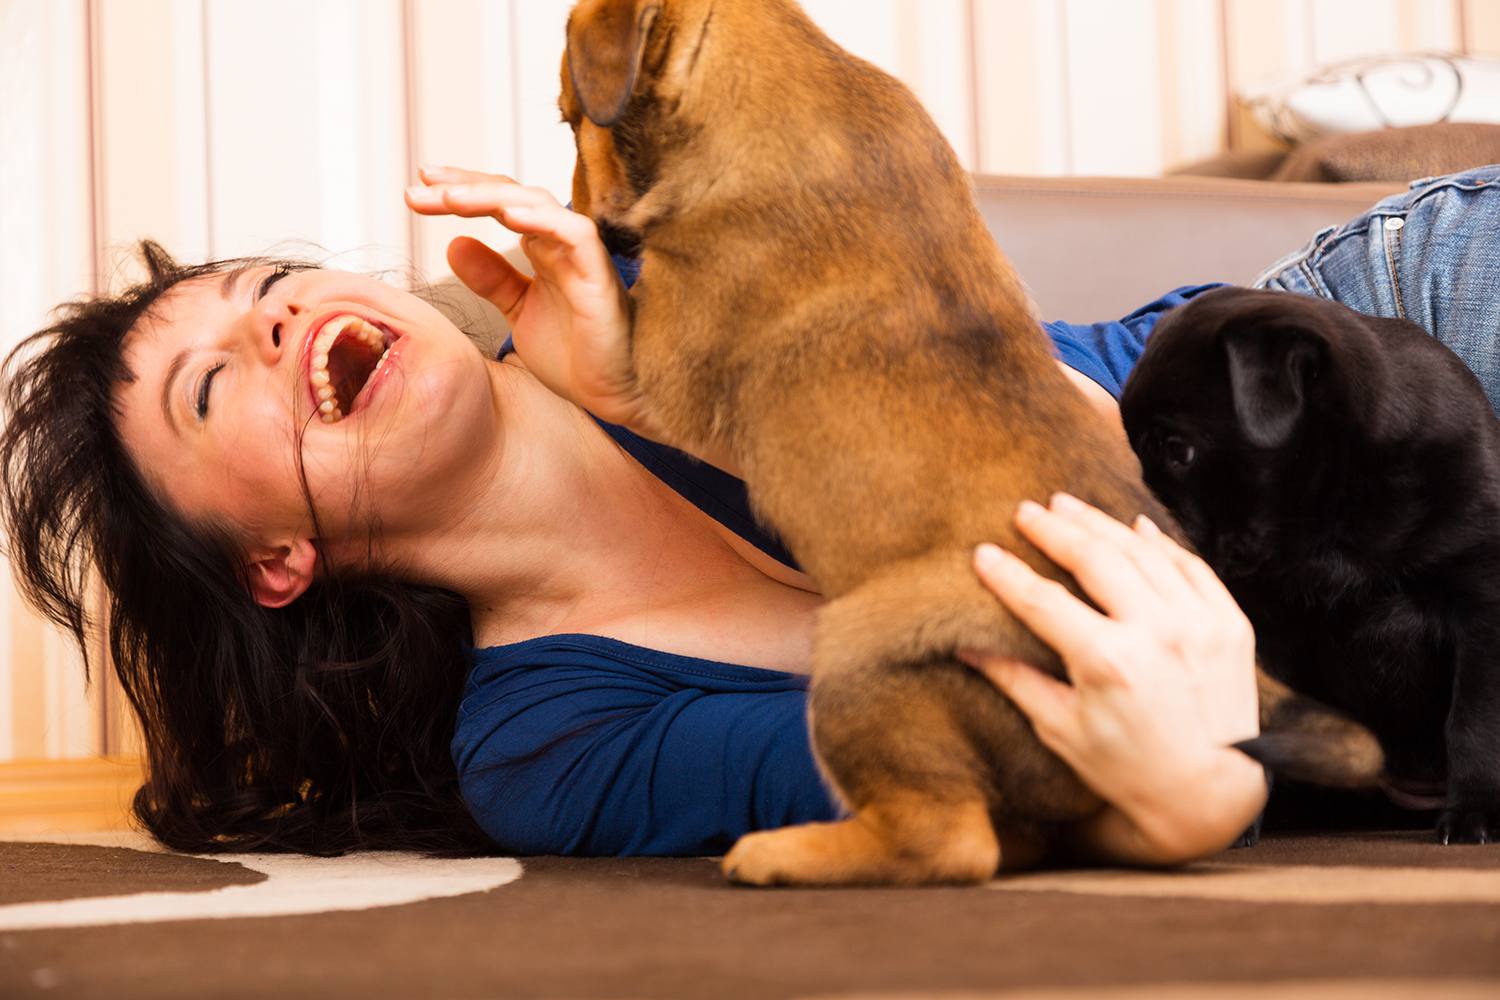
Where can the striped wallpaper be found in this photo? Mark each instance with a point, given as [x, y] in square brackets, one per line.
[222, 127]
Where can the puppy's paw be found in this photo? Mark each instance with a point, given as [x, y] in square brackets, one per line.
[755, 859]
[1468, 824]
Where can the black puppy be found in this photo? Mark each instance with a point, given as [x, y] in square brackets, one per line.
[1341, 473]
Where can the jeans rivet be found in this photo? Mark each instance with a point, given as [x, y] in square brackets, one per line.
[1394, 222]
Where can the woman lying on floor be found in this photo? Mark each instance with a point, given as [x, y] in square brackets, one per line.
[475, 609]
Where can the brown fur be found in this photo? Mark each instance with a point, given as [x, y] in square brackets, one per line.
[820, 298]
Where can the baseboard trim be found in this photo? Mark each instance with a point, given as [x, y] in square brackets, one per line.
[67, 796]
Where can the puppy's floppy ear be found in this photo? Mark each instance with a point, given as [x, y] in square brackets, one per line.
[1271, 369]
[606, 42]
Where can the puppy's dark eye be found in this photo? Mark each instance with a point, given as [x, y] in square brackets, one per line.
[1178, 453]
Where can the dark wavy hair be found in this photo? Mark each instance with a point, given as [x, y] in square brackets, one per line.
[321, 727]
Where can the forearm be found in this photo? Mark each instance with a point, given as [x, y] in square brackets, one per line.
[1199, 814]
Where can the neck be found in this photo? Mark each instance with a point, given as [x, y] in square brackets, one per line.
[551, 525]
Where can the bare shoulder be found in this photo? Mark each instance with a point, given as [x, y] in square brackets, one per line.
[1098, 398]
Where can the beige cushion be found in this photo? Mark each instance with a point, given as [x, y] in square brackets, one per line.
[1392, 154]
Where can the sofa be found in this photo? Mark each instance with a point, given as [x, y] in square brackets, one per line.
[1096, 248]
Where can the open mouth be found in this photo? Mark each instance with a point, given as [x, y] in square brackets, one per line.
[345, 356]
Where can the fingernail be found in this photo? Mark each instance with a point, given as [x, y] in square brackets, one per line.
[1029, 510]
[416, 191]
[431, 169]
[1066, 503]
[521, 214]
[1146, 526]
[989, 557]
[458, 191]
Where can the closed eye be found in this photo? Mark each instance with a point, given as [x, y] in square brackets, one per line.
[201, 405]
[277, 273]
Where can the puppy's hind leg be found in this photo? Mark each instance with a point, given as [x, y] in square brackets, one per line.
[905, 838]
[894, 728]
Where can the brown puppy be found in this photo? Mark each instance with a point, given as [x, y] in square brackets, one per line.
[819, 298]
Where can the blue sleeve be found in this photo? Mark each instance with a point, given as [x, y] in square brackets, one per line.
[563, 760]
[1106, 352]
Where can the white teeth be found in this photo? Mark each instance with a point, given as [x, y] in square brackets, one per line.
[373, 338]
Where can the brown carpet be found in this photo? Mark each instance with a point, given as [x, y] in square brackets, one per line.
[1329, 917]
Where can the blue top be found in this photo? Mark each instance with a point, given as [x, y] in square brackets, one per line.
[580, 744]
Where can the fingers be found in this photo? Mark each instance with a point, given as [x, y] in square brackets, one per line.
[1094, 548]
[1046, 607]
[1194, 570]
[458, 175]
[1047, 702]
[1096, 556]
[475, 200]
[560, 243]
[471, 194]
[488, 274]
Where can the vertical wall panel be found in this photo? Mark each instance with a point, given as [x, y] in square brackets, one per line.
[1114, 86]
[545, 154]
[1022, 87]
[1270, 42]
[1348, 29]
[306, 129]
[937, 62]
[463, 107]
[1428, 25]
[46, 256]
[870, 29]
[1191, 40]
[150, 107]
[1482, 18]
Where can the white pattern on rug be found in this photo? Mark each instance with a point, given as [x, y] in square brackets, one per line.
[294, 885]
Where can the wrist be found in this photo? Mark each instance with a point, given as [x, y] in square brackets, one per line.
[1199, 808]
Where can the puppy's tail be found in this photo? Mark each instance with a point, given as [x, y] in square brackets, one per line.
[1304, 740]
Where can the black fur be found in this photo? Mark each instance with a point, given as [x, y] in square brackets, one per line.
[1341, 473]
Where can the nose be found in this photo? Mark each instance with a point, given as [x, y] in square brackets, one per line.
[272, 327]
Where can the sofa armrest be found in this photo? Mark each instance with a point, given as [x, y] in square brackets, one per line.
[1094, 248]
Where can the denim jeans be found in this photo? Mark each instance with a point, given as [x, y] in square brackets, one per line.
[1431, 255]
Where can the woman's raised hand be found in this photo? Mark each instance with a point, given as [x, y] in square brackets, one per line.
[571, 322]
[1163, 679]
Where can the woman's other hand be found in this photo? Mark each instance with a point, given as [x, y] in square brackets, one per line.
[1163, 681]
[571, 322]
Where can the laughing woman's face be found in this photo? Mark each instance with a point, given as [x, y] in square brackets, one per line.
[232, 370]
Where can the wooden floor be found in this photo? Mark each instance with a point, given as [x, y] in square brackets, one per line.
[67, 796]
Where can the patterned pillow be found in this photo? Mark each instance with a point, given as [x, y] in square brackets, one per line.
[1383, 92]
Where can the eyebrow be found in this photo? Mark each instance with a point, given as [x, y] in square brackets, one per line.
[232, 278]
[226, 289]
[173, 370]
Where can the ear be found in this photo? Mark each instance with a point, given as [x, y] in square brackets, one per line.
[606, 41]
[1271, 370]
[279, 575]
